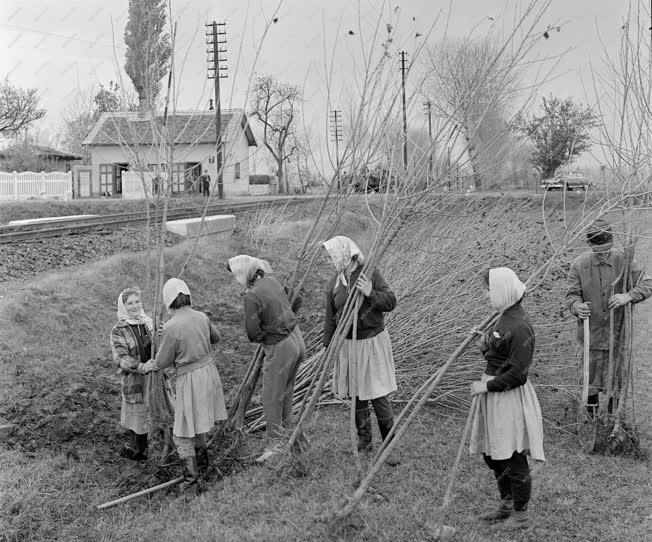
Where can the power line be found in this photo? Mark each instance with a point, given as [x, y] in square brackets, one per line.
[61, 36]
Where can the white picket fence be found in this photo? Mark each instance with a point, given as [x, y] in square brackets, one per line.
[30, 184]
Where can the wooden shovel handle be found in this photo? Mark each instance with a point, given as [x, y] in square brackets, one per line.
[587, 358]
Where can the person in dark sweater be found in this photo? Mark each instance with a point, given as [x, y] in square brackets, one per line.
[271, 321]
[364, 368]
[507, 423]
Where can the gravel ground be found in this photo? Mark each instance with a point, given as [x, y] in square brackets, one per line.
[23, 260]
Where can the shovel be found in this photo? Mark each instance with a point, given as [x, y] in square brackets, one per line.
[586, 424]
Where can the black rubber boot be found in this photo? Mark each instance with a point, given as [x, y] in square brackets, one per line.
[592, 404]
[202, 459]
[385, 417]
[363, 425]
[140, 447]
[135, 452]
[504, 510]
[190, 485]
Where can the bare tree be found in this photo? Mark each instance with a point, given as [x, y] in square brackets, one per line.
[18, 108]
[84, 109]
[276, 105]
[470, 85]
[148, 48]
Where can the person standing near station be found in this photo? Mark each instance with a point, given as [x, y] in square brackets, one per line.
[205, 182]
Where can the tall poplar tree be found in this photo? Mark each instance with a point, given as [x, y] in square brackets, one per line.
[148, 49]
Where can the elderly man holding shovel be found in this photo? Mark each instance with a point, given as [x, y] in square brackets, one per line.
[595, 291]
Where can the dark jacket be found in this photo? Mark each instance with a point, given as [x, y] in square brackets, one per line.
[370, 317]
[589, 280]
[269, 317]
[127, 355]
[511, 345]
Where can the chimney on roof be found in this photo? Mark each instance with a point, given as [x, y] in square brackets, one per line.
[210, 104]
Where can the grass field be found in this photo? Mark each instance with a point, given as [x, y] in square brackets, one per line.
[59, 385]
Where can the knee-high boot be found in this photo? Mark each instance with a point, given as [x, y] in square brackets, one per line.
[385, 417]
[140, 442]
[363, 425]
[190, 485]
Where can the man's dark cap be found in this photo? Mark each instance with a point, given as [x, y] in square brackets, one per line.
[600, 232]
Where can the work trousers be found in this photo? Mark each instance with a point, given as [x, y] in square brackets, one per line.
[186, 445]
[513, 478]
[280, 368]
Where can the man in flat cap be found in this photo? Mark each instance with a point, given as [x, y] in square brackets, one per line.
[589, 296]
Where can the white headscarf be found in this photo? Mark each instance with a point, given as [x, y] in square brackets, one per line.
[244, 268]
[172, 288]
[342, 250]
[123, 313]
[505, 288]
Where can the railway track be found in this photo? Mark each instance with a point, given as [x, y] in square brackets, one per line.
[28, 232]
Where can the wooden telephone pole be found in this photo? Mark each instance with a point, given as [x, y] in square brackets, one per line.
[336, 134]
[216, 47]
[428, 105]
[403, 56]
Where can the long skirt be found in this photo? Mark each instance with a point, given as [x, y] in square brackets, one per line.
[135, 416]
[199, 401]
[506, 422]
[365, 368]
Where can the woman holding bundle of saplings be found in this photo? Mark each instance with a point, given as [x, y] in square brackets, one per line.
[364, 369]
[199, 403]
[507, 423]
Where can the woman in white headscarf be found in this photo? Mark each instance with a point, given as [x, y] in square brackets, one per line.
[199, 402]
[271, 321]
[507, 423]
[131, 344]
[365, 367]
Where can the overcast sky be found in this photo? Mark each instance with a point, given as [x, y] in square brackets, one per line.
[60, 46]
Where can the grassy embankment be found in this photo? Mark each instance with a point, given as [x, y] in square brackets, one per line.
[59, 383]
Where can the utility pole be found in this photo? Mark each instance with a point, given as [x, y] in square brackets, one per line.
[336, 135]
[216, 48]
[428, 106]
[403, 55]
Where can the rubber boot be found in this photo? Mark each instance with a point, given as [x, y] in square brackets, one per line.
[385, 425]
[140, 446]
[202, 459]
[504, 510]
[592, 404]
[190, 485]
[519, 519]
[506, 506]
[363, 425]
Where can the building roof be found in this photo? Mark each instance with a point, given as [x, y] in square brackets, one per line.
[190, 128]
[47, 153]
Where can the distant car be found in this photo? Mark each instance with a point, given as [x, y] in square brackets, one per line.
[574, 180]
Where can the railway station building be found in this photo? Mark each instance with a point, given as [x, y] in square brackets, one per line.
[127, 148]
